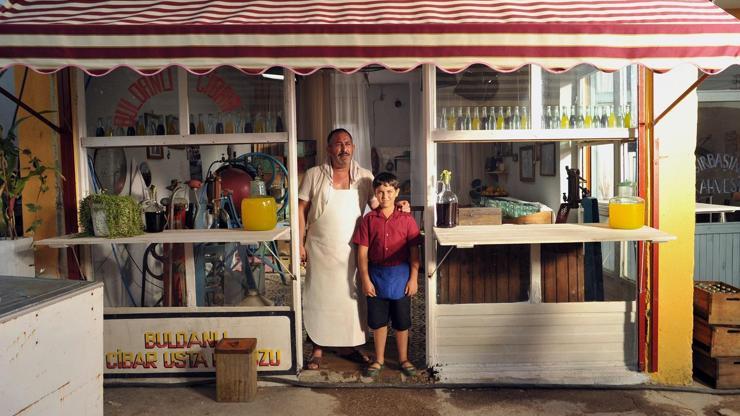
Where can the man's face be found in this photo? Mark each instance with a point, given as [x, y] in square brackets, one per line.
[386, 195]
[340, 150]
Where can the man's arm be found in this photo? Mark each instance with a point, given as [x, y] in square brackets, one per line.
[303, 207]
[362, 266]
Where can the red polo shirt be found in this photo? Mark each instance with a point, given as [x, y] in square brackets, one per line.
[388, 239]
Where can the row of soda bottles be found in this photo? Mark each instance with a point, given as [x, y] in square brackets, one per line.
[489, 118]
[157, 125]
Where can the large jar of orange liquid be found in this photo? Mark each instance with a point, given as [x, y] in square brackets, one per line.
[626, 211]
[259, 213]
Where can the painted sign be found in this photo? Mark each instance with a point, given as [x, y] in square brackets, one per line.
[717, 173]
[174, 343]
[140, 91]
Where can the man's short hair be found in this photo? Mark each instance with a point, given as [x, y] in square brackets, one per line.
[385, 178]
[335, 132]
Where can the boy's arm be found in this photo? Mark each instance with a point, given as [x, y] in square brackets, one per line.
[367, 286]
[413, 284]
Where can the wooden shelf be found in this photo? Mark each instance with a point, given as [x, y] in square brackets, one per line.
[175, 236]
[466, 236]
[183, 140]
[541, 135]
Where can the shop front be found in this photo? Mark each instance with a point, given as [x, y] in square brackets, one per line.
[512, 99]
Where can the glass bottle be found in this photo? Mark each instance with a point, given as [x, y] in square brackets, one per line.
[572, 123]
[131, 131]
[248, 126]
[619, 119]
[192, 128]
[468, 122]
[612, 120]
[475, 121]
[626, 211]
[100, 131]
[459, 120]
[220, 124]
[108, 126]
[200, 128]
[516, 119]
[446, 207]
[579, 118]
[140, 126]
[546, 117]
[484, 119]
[160, 127]
[508, 125]
[524, 118]
[491, 118]
[500, 119]
[587, 121]
[442, 120]
[596, 123]
[604, 117]
[627, 116]
[555, 120]
[259, 123]
[269, 122]
[564, 120]
[451, 119]
[229, 125]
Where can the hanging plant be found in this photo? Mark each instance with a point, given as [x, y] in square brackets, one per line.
[121, 215]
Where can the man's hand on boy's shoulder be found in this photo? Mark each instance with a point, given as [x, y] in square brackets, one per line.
[368, 288]
[403, 206]
[412, 287]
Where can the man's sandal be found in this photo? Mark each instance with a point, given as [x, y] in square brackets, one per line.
[374, 369]
[314, 363]
[408, 369]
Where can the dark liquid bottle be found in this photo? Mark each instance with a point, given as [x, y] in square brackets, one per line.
[131, 131]
[446, 206]
[447, 214]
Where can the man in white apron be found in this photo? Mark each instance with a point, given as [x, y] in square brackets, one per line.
[331, 199]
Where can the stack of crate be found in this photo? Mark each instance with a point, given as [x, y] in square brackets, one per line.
[717, 334]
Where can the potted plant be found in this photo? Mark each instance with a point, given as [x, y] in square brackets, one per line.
[112, 216]
[16, 253]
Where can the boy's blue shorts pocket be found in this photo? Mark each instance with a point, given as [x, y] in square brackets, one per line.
[390, 281]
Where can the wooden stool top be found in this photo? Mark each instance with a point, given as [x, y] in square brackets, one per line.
[236, 345]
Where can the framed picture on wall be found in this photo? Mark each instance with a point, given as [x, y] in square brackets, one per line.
[155, 152]
[526, 163]
[548, 155]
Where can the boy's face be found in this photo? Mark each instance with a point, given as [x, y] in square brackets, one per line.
[386, 195]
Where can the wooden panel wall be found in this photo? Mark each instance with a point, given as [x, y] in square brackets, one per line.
[484, 274]
[562, 273]
[564, 334]
[716, 248]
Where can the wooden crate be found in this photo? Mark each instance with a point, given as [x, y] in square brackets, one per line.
[479, 216]
[717, 302]
[236, 370]
[716, 340]
[722, 373]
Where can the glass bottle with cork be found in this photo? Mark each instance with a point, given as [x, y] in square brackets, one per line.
[447, 207]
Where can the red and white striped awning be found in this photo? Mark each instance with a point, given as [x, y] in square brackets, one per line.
[304, 35]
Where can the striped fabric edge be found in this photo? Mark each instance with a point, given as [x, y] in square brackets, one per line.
[200, 66]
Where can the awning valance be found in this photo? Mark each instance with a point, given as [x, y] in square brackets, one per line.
[304, 35]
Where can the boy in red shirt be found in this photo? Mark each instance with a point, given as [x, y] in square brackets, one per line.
[388, 262]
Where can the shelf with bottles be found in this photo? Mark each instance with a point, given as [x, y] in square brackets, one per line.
[226, 106]
[538, 135]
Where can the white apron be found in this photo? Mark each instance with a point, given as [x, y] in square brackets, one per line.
[332, 314]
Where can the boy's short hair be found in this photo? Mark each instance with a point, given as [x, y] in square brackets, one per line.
[385, 178]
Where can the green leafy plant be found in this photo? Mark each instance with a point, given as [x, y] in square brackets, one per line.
[14, 180]
[122, 214]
